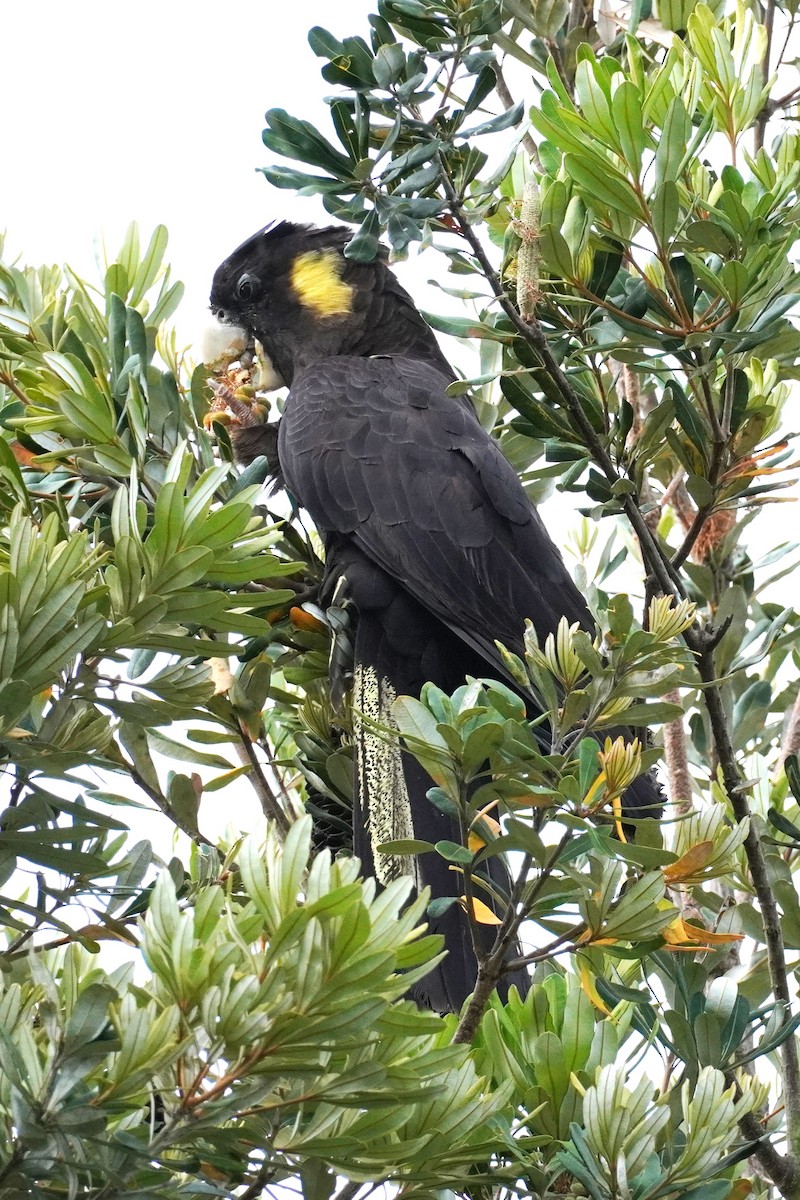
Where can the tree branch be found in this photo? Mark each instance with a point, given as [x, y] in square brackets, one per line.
[776, 956]
[492, 969]
[507, 99]
[196, 836]
[699, 641]
[264, 1177]
[270, 805]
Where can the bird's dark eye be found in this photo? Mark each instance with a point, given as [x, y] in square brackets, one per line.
[246, 287]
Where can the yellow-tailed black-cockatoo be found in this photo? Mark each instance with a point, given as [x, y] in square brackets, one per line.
[428, 532]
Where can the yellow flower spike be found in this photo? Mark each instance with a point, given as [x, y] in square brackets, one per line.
[570, 665]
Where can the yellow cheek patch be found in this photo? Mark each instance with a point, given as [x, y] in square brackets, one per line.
[318, 285]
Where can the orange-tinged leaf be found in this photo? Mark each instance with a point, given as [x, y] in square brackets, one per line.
[103, 933]
[680, 933]
[689, 863]
[708, 935]
[481, 912]
[213, 1173]
[30, 458]
[474, 840]
[589, 935]
[487, 808]
[303, 620]
[532, 800]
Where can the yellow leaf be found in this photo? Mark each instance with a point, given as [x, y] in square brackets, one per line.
[682, 933]
[593, 795]
[689, 864]
[481, 912]
[474, 840]
[588, 985]
[713, 939]
[589, 935]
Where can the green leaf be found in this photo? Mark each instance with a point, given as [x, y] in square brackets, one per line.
[555, 252]
[689, 419]
[673, 142]
[626, 105]
[665, 209]
[150, 265]
[700, 490]
[635, 916]
[405, 846]
[505, 120]
[659, 713]
[792, 769]
[453, 852]
[364, 245]
[300, 140]
[16, 696]
[88, 1019]
[601, 183]
[419, 728]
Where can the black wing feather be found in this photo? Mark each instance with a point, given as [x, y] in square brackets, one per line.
[375, 449]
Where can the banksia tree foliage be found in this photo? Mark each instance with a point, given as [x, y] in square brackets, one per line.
[613, 197]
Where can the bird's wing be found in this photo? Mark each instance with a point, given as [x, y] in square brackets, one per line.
[375, 449]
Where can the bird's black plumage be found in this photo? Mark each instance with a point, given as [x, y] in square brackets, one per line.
[424, 519]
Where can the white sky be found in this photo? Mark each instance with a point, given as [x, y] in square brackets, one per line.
[153, 112]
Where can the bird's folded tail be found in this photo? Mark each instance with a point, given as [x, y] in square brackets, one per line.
[391, 802]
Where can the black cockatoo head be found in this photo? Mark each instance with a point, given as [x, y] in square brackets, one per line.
[292, 289]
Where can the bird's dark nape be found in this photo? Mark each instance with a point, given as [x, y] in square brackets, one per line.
[430, 539]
